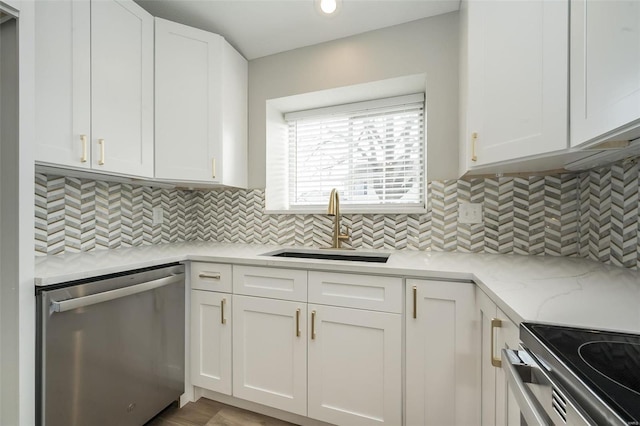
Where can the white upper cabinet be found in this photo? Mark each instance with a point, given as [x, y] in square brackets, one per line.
[515, 80]
[94, 86]
[63, 82]
[605, 70]
[122, 87]
[201, 107]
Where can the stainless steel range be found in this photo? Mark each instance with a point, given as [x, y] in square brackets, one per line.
[565, 375]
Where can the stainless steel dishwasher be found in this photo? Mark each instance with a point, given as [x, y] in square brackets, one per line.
[111, 349]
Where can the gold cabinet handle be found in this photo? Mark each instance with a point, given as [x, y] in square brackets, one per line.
[313, 325]
[83, 139]
[298, 322]
[101, 161]
[415, 301]
[210, 275]
[213, 168]
[474, 138]
[222, 318]
[495, 323]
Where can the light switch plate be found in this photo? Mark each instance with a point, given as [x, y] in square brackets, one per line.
[470, 213]
[158, 215]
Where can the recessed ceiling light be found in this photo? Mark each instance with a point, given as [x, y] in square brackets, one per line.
[328, 7]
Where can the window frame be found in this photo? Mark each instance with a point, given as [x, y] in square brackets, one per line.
[275, 157]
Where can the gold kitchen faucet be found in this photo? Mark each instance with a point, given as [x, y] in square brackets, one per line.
[334, 210]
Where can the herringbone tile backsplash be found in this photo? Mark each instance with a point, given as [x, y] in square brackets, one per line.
[592, 214]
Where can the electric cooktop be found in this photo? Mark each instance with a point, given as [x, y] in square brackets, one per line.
[606, 364]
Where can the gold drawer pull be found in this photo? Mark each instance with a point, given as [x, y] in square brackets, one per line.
[495, 323]
[474, 138]
[210, 275]
[83, 139]
[101, 161]
[313, 325]
[222, 318]
[298, 322]
[415, 301]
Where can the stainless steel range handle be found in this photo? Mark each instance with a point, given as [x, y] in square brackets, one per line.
[79, 302]
[529, 408]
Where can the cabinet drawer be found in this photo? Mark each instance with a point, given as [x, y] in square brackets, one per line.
[286, 284]
[371, 292]
[211, 277]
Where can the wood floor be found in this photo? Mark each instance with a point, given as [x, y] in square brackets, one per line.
[206, 412]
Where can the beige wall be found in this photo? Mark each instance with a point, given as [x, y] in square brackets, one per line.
[425, 46]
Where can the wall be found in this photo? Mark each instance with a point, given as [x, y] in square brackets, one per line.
[17, 384]
[428, 46]
[591, 214]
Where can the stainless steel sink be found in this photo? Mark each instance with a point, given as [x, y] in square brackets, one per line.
[349, 256]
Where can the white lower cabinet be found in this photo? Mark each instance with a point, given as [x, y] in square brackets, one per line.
[441, 368]
[211, 340]
[336, 364]
[355, 366]
[270, 352]
[328, 357]
[497, 332]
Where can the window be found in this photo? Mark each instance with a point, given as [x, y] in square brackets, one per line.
[373, 152]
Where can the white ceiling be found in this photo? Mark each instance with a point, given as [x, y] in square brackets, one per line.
[259, 28]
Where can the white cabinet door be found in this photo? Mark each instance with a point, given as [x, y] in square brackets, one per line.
[201, 107]
[507, 409]
[605, 69]
[270, 352]
[122, 87]
[211, 340]
[517, 79]
[497, 332]
[355, 366]
[188, 83]
[487, 312]
[441, 347]
[233, 105]
[63, 82]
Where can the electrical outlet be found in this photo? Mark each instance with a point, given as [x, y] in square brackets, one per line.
[470, 213]
[158, 215]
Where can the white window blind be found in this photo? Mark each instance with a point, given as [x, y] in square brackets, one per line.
[372, 152]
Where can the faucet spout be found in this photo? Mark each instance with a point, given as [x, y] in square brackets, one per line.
[334, 210]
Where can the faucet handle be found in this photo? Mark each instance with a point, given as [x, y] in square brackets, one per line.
[346, 235]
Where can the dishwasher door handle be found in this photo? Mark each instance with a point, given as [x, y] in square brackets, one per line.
[526, 401]
[79, 302]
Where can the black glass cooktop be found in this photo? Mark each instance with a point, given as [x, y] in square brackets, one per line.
[607, 362]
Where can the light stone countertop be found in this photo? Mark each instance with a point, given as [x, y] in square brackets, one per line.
[561, 290]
